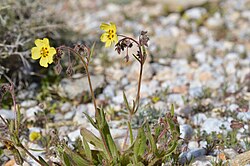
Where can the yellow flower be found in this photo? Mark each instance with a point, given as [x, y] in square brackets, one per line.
[34, 136]
[43, 51]
[109, 36]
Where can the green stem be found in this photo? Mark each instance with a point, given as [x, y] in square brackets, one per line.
[31, 155]
[92, 94]
[137, 102]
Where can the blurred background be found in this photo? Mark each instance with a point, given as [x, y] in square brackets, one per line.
[198, 59]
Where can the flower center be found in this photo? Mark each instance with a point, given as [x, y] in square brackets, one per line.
[111, 31]
[44, 52]
[111, 36]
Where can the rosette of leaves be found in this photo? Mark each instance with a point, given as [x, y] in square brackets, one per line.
[149, 147]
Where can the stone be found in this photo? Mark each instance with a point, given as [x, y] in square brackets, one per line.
[74, 135]
[77, 85]
[30, 113]
[203, 161]
[7, 114]
[192, 154]
[195, 13]
[245, 116]
[214, 125]
[186, 132]
[79, 115]
[241, 159]
[193, 145]
[134, 71]
[66, 107]
[176, 98]
[28, 103]
[214, 23]
[230, 153]
[185, 111]
[109, 91]
[199, 118]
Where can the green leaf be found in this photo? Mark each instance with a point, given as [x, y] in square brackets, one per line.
[151, 139]
[126, 102]
[92, 51]
[91, 120]
[17, 156]
[75, 158]
[106, 135]
[172, 110]
[130, 133]
[91, 138]
[66, 159]
[171, 149]
[87, 149]
[140, 143]
[43, 161]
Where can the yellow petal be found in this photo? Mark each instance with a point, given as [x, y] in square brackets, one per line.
[113, 27]
[108, 43]
[52, 52]
[104, 37]
[39, 43]
[46, 42]
[105, 27]
[35, 53]
[115, 39]
[44, 62]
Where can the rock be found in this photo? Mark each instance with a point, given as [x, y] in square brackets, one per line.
[241, 159]
[176, 98]
[233, 107]
[193, 145]
[245, 116]
[74, 87]
[201, 57]
[214, 23]
[30, 113]
[192, 154]
[179, 5]
[199, 118]
[230, 153]
[184, 111]
[193, 40]
[109, 91]
[214, 125]
[183, 50]
[7, 114]
[195, 13]
[203, 161]
[160, 105]
[69, 115]
[171, 19]
[134, 71]
[74, 135]
[28, 103]
[186, 132]
[79, 116]
[66, 107]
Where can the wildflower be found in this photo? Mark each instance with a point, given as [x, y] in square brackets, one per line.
[34, 136]
[109, 36]
[43, 51]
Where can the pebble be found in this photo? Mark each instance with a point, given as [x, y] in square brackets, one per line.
[214, 125]
[199, 118]
[28, 103]
[192, 154]
[186, 132]
[7, 114]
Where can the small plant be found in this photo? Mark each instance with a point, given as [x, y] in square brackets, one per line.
[151, 146]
